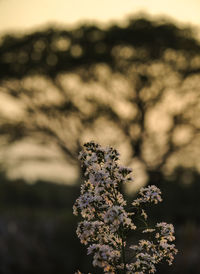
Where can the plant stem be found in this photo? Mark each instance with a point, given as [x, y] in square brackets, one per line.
[123, 254]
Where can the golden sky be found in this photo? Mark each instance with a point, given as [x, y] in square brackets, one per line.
[26, 14]
[23, 15]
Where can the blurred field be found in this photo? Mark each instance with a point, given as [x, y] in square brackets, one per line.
[37, 229]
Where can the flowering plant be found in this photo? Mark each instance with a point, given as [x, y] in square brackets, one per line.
[107, 220]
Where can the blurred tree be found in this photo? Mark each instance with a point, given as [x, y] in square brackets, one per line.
[135, 87]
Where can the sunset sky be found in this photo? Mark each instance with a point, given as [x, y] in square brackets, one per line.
[26, 14]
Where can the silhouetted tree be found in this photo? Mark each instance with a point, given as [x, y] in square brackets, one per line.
[134, 87]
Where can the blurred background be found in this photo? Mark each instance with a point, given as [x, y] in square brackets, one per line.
[121, 73]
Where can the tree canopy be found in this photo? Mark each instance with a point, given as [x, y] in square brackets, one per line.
[135, 87]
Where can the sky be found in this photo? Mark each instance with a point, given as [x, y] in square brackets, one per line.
[24, 15]
[27, 15]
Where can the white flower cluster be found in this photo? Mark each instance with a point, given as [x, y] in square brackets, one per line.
[149, 253]
[106, 220]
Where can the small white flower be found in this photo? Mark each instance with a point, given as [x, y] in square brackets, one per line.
[106, 220]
